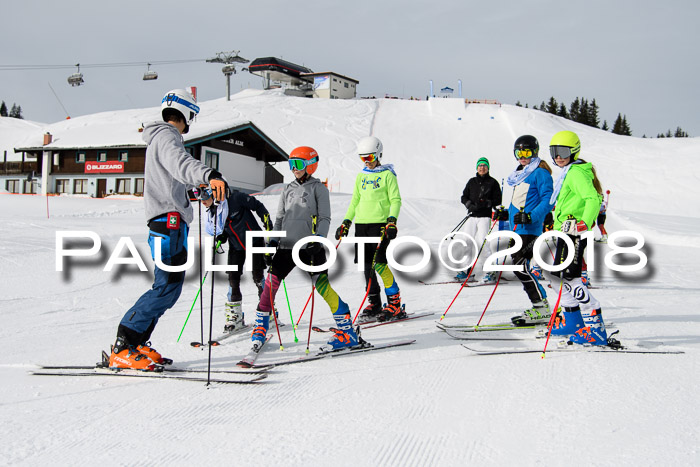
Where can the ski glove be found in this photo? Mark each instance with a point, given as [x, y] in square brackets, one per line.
[266, 222]
[268, 256]
[343, 230]
[223, 238]
[313, 248]
[548, 222]
[218, 185]
[573, 227]
[469, 205]
[522, 218]
[500, 214]
[390, 230]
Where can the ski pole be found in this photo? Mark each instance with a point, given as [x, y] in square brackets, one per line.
[470, 272]
[211, 305]
[561, 287]
[369, 282]
[194, 302]
[201, 303]
[309, 299]
[289, 307]
[311, 319]
[274, 315]
[305, 305]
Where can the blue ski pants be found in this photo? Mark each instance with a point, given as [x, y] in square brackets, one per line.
[167, 286]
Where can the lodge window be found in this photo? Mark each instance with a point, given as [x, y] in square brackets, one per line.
[139, 186]
[211, 159]
[30, 187]
[80, 157]
[123, 156]
[80, 186]
[124, 186]
[62, 185]
[101, 157]
[12, 186]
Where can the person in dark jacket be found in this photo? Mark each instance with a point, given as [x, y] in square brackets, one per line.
[234, 218]
[481, 195]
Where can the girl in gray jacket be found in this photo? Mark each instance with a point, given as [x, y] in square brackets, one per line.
[304, 209]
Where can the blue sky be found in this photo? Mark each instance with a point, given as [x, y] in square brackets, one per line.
[637, 58]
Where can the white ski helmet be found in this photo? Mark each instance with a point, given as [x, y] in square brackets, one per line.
[369, 145]
[183, 102]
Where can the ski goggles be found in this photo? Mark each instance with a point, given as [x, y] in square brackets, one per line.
[371, 157]
[560, 151]
[301, 164]
[523, 153]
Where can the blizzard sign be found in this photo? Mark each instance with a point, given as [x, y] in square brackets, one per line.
[493, 262]
[104, 167]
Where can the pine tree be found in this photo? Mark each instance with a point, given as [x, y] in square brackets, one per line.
[15, 111]
[552, 106]
[518, 104]
[593, 119]
[562, 111]
[583, 112]
[605, 126]
[680, 133]
[617, 126]
[3, 109]
[575, 110]
[543, 107]
[626, 130]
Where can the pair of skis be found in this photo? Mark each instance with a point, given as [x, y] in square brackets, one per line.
[508, 332]
[249, 362]
[234, 376]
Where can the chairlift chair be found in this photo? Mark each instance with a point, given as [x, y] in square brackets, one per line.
[149, 74]
[76, 79]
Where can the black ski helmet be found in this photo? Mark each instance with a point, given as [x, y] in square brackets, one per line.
[527, 142]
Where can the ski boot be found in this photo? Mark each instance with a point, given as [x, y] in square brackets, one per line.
[594, 332]
[538, 314]
[536, 272]
[153, 354]
[462, 276]
[567, 322]
[234, 317]
[603, 239]
[489, 278]
[345, 337]
[262, 323]
[373, 308]
[393, 310]
[125, 356]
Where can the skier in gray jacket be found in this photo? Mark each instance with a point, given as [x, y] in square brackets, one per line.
[304, 210]
[170, 171]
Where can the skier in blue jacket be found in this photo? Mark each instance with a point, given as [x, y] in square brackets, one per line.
[532, 189]
[234, 218]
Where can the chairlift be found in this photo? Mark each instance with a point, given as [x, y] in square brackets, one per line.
[76, 79]
[229, 70]
[149, 75]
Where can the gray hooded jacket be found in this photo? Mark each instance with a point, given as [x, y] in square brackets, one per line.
[170, 171]
[297, 206]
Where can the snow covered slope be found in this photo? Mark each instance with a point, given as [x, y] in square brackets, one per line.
[432, 403]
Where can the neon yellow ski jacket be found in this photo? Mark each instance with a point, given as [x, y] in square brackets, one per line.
[375, 197]
[578, 197]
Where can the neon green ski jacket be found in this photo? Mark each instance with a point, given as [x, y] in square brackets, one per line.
[375, 197]
[578, 197]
